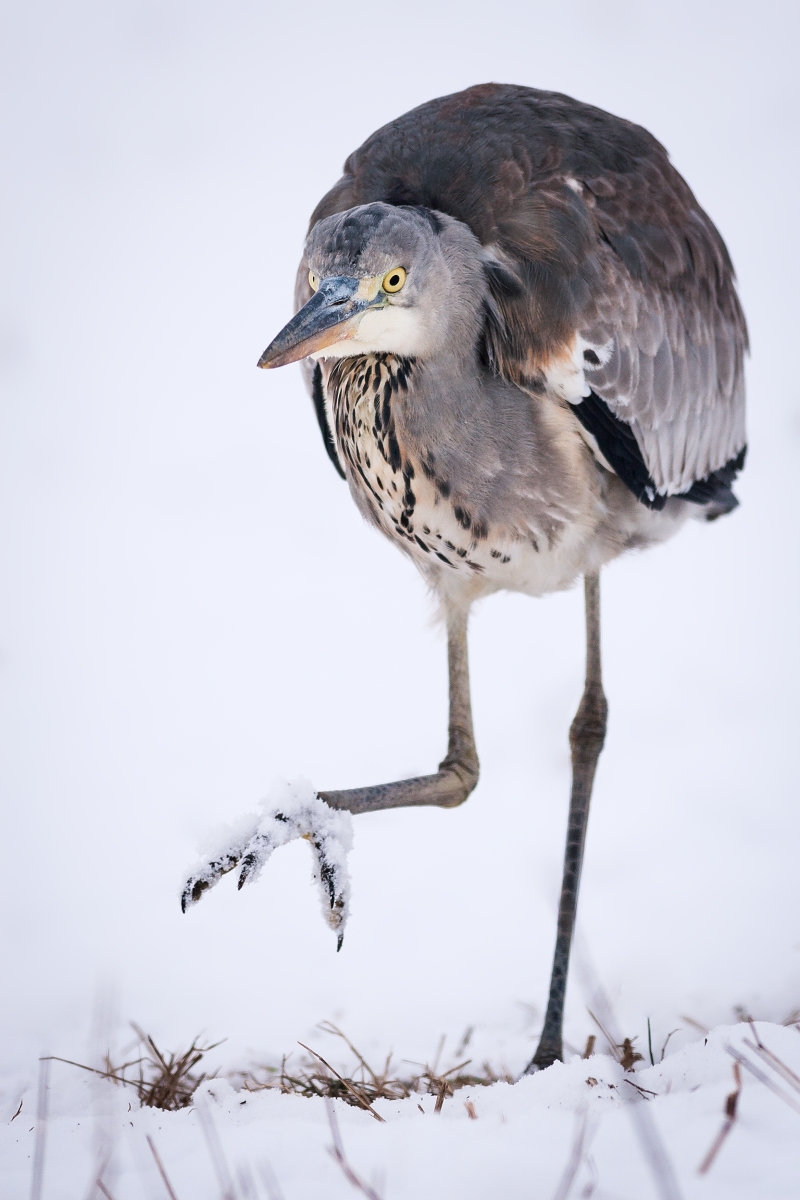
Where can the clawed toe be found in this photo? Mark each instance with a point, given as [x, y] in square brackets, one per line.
[292, 811]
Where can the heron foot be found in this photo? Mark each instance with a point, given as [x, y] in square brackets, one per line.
[297, 812]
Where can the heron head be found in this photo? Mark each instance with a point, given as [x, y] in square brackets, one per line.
[383, 280]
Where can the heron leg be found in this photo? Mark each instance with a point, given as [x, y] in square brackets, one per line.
[450, 786]
[586, 737]
[458, 771]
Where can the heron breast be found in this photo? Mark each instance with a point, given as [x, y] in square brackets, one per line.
[395, 489]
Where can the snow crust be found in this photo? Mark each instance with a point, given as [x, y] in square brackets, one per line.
[581, 1128]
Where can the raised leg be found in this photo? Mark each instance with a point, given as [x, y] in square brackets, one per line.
[586, 736]
[311, 819]
[458, 771]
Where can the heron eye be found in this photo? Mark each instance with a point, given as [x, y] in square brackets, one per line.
[313, 280]
[394, 280]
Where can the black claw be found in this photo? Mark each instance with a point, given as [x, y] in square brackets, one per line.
[192, 892]
[248, 862]
[339, 941]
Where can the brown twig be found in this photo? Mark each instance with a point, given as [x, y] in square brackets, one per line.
[731, 1103]
[16, 1114]
[645, 1092]
[336, 1152]
[162, 1170]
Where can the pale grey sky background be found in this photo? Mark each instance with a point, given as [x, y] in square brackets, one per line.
[191, 604]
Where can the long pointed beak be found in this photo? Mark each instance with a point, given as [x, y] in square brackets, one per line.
[332, 314]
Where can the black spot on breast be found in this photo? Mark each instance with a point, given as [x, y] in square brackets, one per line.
[427, 467]
[394, 451]
[420, 543]
[442, 557]
[505, 558]
[443, 487]
[462, 516]
[495, 553]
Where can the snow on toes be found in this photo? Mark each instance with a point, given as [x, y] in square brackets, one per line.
[291, 810]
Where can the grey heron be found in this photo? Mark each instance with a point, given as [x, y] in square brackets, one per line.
[525, 351]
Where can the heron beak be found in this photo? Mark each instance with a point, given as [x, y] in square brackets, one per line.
[332, 314]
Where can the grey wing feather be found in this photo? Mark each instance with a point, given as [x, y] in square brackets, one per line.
[674, 373]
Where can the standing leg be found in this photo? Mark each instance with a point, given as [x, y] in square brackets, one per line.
[586, 736]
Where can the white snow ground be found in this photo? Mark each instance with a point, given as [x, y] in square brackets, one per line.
[191, 606]
[582, 1128]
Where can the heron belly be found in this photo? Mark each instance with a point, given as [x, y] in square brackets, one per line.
[394, 491]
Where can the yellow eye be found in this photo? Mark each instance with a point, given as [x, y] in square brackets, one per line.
[394, 279]
[313, 280]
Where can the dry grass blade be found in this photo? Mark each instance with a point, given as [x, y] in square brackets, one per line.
[216, 1153]
[762, 1077]
[695, 1024]
[363, 1085]
[624, 1052]
[778, 1065]
[666, 1043]
[336, 1152]
[354, 1091]
[40, 1144]
[171, 1082]
[270, 1182]
[329, 1027]
[575, 1157]
[731, 1103]
[166, 1081]
[443, 1088]
[101, 1187]
[161, 1169]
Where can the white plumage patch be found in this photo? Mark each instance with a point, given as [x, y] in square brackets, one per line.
[392, 329]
